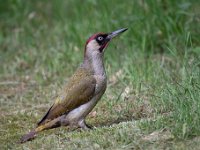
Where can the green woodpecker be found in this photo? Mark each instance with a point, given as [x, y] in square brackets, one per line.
[83, 90]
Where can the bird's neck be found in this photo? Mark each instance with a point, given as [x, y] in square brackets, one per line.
[94, 62]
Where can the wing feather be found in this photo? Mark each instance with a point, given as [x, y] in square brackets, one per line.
[77, 92]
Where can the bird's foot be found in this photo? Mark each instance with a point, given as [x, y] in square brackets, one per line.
[84, 126]
[89, 126]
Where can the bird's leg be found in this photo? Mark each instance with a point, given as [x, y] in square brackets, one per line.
[83, 125]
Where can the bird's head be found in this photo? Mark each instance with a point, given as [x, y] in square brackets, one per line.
[99, 41]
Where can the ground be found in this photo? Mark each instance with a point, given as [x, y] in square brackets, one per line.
[153, 95]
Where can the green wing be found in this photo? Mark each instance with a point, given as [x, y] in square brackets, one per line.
[78, 91]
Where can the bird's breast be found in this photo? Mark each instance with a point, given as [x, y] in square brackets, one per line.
[82, 111]
[101, 83]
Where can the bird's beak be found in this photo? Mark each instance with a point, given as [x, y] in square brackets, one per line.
[115, 33]
[111, 36]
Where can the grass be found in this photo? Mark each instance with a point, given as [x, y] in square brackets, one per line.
[153, 95]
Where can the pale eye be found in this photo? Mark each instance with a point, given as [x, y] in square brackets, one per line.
[100, 38]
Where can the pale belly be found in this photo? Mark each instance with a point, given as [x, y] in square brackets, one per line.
[82, 111]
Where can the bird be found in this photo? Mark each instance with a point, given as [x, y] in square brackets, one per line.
[83, 90]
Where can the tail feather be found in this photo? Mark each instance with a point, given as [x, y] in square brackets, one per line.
[32, 134]
[44, 118]
[28, 137]
[48, 125]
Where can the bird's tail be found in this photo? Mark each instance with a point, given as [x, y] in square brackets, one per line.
[27, 137]
[49, 125]
[32, 134]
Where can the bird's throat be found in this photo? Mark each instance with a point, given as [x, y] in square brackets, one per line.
[95, 64]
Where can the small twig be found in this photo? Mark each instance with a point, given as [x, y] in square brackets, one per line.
[10, 83]
[16, 83]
